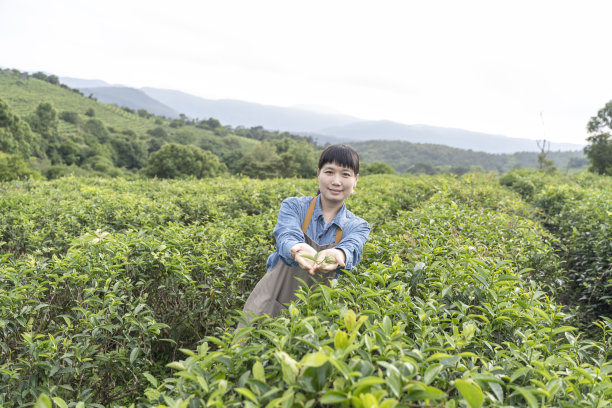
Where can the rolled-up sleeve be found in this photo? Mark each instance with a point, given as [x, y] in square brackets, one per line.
[352, 242]
[288, 230]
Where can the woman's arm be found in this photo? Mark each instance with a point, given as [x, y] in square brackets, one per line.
[288, 231]
[351, 244]
[348, 252]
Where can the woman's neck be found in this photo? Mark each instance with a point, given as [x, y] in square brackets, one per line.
[330, 209]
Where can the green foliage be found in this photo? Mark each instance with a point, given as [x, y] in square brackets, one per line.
[210, 123]
[599, 150]
[44, 119]
[376, 168]
[418, 158]
[100, 163]
[70, 117]
[15, 135]
[577, 210]
[96, 128]
[179, 161]
[110, 282]
[94, 144]
[282, 158]
[52, 79]
[298, 158]
[131, 153]
[522, 181]
[13, 167]
[581, 218]
[436, 314]
[602, 121]
[261, 162]
[144, 114]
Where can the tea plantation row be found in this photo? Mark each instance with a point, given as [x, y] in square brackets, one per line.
[578, 211]
[105, 282]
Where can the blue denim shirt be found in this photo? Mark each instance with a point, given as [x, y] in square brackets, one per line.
[288, 231]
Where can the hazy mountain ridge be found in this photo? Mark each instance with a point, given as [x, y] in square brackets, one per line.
[322, 127]
[404, 156]
[247, 114]
[78, 83]
[459, 138]
[131, 98]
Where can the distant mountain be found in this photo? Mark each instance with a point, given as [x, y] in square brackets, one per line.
[322, 127]
[335, 128]
[463, 139]
[83, 83]
[131, 98]
[248, 114]
[404, 156]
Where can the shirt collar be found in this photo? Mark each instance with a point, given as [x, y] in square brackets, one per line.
[339, 219]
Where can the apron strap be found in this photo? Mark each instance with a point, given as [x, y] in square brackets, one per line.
[309, 213]
[338, 235]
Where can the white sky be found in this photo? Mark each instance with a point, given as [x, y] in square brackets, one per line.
[532, 69]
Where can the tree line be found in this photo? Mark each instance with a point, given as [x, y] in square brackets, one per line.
[50, 143]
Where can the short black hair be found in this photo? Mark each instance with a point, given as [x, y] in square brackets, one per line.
[342, 155]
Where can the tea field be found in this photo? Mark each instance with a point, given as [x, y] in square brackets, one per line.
[473, 291]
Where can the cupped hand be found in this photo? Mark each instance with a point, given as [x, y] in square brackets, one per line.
[304, 263]
[335, 258]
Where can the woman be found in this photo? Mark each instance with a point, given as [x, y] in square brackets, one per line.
[315, 236]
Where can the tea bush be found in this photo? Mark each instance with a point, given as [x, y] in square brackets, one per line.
[44, 217]
[578, 211]
[581, 218]
[109, 281]
[442, 313]
[173, 262]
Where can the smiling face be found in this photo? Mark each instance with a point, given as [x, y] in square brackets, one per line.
[336, 182]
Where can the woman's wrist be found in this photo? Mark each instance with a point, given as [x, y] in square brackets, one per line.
[341, 255]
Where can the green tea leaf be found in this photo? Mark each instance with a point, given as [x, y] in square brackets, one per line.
[134, 354]
[60, 402]
[340, 340]
[432, 372]
[176, 365]
[333, 397]
[314, 359]
[43, 401]
[151, 379]
[259, 372]
[529, 397]
[247, 393]
[471, 392]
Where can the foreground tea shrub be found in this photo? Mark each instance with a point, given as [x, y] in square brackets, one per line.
[446, 304]
[85, 324]
[447, 315]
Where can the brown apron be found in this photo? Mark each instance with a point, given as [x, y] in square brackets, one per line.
[279, 284]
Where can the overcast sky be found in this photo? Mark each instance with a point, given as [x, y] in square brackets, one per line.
[532, 69]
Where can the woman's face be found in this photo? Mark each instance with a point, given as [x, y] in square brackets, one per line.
[336, 183]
